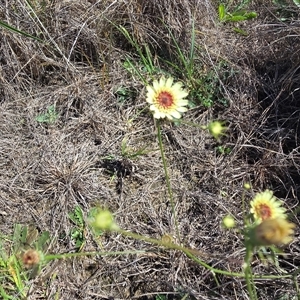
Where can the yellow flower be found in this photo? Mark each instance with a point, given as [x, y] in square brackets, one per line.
[166, 100]
[273, 232]
[265, 206]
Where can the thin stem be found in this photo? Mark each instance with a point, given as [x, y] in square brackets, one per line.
[167, 178]
[79, 254]
[248, 273]
[295, 281]
[189, 253]
[192, 253]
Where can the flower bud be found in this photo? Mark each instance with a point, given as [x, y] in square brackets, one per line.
[247, 186]
[104, 220]
[228, 222]
[216, 129]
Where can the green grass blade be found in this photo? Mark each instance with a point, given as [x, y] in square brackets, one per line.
[192, 50]
[180, 53]
[15, 30]
[131, 66]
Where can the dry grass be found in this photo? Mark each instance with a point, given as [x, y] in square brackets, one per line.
[48, 169]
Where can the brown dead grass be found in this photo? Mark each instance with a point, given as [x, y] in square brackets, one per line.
[46, 170]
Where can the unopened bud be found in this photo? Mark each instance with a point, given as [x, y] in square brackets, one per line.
[228, 222]
[216, 129]
[104, 220]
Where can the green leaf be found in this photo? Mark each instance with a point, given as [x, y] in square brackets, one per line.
[79, 243]
[41, 119]
[244, 15]
[222, 12]
[44, 237]
[19, 236]
[297, 2]
[78, 236]
[237, 18]
[77, 216]
[251, 15]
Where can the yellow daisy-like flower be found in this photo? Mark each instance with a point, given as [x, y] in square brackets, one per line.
[265, 206]
[166, 100]
[276, 231]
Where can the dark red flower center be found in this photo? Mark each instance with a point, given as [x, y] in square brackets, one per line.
[165, 99]
[264, 211]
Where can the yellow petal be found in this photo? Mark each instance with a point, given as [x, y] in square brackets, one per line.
[169, 82]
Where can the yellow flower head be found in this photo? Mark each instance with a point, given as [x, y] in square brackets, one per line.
[166, 100]
[273, 232]
[265, 206]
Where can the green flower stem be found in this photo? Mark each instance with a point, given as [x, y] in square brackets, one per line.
[79, 254]
[167, 178]
[295, 281]
[191, 254]
[248, 273]
[204, 127]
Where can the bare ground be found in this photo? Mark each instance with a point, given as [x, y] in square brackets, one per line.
[49, 169]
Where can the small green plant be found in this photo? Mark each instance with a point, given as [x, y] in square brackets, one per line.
[207, 90]
[49, 117]
[236, 15]
[223, 150]
[78, 231]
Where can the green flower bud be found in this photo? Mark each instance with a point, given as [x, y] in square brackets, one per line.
[247, 186]
[228, 222]
[216, 129]
[104, 220]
